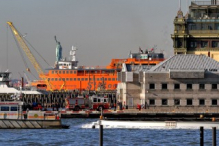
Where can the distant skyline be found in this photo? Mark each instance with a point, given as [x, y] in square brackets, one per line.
[100, 29]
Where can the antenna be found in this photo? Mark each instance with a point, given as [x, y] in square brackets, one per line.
[179, 4]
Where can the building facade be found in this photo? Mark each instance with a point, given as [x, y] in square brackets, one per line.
[198, 31]
[182, 83]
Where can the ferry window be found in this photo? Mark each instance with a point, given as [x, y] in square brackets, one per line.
[67, 72]
[176, 86]
[105, 79]
[78, 79]
[75, 72]
[63, 72]
[52, 72]
[215, 44]
[82, 79]
[70, 72]
[214, 102]
[204, 44]
[60, 72]
[94, 99]
[113, 79]
[97, 79]
[56, 72]
[74, 79]
[151, 86]
[90, 79]
[151, 102]
[71, 79]
[48, 79]
[56, 79]
[214, 86]
[189, 86]
[86, 79]
[176, 101]
[14, 108]
[98, 99]
[59, 79]
[201, 102]
[63, 79]
[201, 86]
[4, 108]
[52, 79]
[103, 72]
[164, 86]
[164, 101]
[189, 102]
[67, 79]
[109, 79]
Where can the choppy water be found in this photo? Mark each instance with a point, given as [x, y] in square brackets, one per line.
[81, 134]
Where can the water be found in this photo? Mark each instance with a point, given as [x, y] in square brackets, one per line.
[81, 134]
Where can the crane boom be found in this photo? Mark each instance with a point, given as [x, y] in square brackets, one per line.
[30, 56]
[24, 46]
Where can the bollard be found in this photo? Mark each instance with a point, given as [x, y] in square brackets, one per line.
[201, 136]
[214, 143]
[101, 135]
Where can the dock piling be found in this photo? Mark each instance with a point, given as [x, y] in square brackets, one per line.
[214, 143]
[201, 136]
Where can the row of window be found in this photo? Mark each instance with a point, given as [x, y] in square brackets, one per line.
[203, 44]
[203, 26]
[7, 108]
[177, 86]
[82, 79]
[177, 102]
[74, 72]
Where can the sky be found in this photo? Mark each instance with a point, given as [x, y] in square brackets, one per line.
[100, 29]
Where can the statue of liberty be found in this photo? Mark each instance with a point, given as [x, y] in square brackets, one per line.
[58, 50]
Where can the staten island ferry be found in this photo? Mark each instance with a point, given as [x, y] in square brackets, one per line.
[67, 75]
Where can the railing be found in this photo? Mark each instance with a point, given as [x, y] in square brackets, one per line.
[203, 31]
[205, 15]
[206, 3]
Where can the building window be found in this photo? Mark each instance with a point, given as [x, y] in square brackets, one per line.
[189, 102]
[193, 44]
[202, 86]
[151, 102]
[215, 44]
[204, 44]
[214, 102]
[189, 86]
[164, 101]
[151, 86]
[164, 86]
[176, 86]
[180, 43]
[176, 101]
[201, 102]
[214, 86]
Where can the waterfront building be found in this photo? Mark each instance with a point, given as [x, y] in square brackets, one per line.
[197, 31]
[182, 83]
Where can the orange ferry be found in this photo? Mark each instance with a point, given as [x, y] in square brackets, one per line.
[67, 75]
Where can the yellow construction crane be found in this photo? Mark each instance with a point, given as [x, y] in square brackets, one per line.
[30, 56]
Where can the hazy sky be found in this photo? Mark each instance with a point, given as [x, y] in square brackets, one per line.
[100, 29]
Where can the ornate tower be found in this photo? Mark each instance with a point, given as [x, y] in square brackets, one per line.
[198, 31]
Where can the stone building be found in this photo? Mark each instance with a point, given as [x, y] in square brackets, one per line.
[197, 31]
[182, 82]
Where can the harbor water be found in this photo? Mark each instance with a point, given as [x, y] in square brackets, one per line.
[81, 134]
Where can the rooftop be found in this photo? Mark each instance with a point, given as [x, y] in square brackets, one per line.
[187, 62]
[205, 3]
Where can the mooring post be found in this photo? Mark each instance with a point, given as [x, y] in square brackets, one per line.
[214, 142]
[201, 136]
[101, 127]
